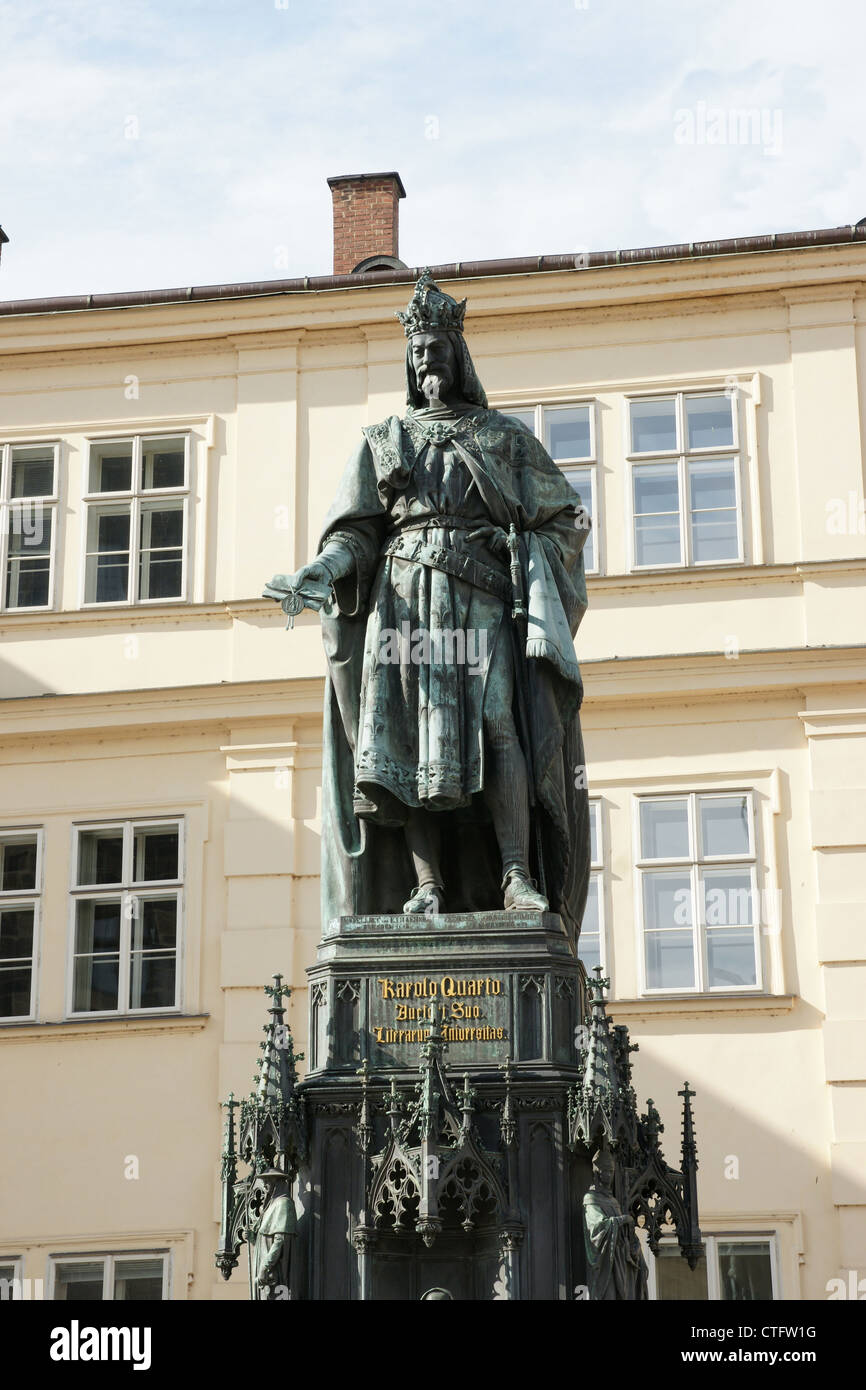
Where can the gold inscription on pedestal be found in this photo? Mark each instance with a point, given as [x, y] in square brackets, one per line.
[454, 998]
[446, 987]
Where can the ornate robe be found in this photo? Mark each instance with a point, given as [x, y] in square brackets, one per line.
[401, 733]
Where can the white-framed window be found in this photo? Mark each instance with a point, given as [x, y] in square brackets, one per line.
[126, 917]
[10, 1278]
[591, 942]
[20, 890]
[697, 896]
[136, 531]
[684, 460]
[569, 434]
[734, 1268]
[28, 524]
[134, 1276]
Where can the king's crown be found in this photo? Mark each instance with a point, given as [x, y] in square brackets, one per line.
[431, 310]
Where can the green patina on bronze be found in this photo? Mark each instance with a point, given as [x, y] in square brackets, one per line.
[451, 780]
[468, 1127]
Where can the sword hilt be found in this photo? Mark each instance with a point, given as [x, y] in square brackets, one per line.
[518, 602]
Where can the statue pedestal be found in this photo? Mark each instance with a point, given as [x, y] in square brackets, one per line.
[506, 983]
[476, 1192]
[462, 1075]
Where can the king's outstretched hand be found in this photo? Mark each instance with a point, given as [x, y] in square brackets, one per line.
[309, 587]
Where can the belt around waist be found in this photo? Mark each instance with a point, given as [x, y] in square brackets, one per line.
[449, 523]
[450, 562]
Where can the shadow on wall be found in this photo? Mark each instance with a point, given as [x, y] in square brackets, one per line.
[18, 685]
[762, 1159]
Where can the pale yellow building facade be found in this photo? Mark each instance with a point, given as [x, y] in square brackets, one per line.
[160, 732]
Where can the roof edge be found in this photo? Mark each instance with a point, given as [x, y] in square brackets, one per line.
[456, 270]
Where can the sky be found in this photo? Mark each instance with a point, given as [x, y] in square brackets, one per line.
[188, 142]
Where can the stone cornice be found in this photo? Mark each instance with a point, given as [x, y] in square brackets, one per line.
[127, 617]
[824, 267]
[698, 1006]
[120, 1026]
[655, 681]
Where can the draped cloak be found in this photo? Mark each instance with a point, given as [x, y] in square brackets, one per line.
[614, 1259]
[401, 737]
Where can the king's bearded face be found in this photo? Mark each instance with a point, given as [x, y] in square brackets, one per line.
[435, 364]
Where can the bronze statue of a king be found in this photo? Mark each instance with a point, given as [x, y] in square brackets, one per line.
[450, 581]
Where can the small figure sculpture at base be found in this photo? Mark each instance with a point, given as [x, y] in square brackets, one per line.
[615, 1266]
[276, 1231]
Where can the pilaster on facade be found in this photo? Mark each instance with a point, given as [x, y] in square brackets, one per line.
[837, 759]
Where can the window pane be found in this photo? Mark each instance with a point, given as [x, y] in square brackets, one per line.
[656, 506]
[28, 566]
[664, 829]
[670, 960]
[526, 417]
[728, 898]
[18, 865]
[96, 983]
[656, 542]
[568, 432]
[155, 853]
[745, 1272]
[712, 483]
[590, 912]
[674, 1279]
[581, 480]
[138, 1279]
[594, 831]
[724, 825]
[709, 422]
[16, 933]
[112, 531]
[97, 925]
[108, 555]
[715, 537]
[667, 900]
[100, 856]
[589, 951]
[163, 463]
[715, 531]
[79, 1282]
[152, 981]
[161, 562]
[32, 471]
[656, 489]
[731, 958]
[155, 924]
[15, 991]
[653, 426]
[111, 466]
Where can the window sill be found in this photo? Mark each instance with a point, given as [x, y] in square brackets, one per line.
[118, 1026]
[699, 1006]
[731, 571]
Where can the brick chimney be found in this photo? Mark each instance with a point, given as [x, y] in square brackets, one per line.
[366, 219]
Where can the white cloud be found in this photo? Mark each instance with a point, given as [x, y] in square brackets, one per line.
[555, 129]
